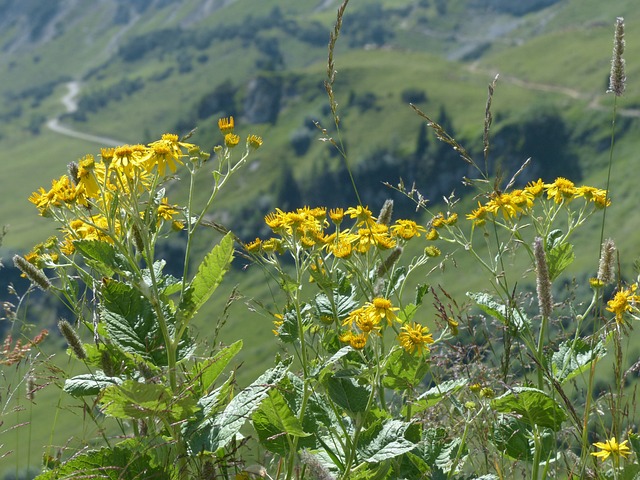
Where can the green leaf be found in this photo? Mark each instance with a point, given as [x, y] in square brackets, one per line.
[131, 322]
[89, 384]
[209, 275]
[435, 395]
[559, 255]
[403, 371]
[102, 256]
[574, 357]
[346, 393]
[533, 406]
[115, 463]
[133, 399]
[421, 291]
[407, 313]
[241, 407]
[509, 317]
[274, 421]
[389, 443]
[514, 438]
[209, 370]
[340, 305]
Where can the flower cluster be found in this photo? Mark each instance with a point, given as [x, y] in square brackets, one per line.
[309, 228]
[520, 201]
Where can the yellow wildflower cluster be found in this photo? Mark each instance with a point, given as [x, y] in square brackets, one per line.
[624, 301]
[371, 319]
[308, 227]
[520, 201]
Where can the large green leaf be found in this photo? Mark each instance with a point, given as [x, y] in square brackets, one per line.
[346, 393]
[274, 422]
[210, 273]
[559, 254]
[142, 400]
[514, 438]
[89, 384]
[102, 256]
[120, 462]
[389, 443]
[343, 301]
[404, 371]
[509, 317]
[574, 357]
[226, 425]
[533, 406]
[131, 322]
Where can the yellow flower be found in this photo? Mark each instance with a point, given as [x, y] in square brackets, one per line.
[358, 342]
[336, 215]
[341, 249]
[451, 219]
[623, 301]
[611, 447]
[362, 214]
[535, 188]
[89, 174]
[561, 189]
[231, 140]
[432, 251]
[375, 234]
[406, 229]
[478, 215]
[504, 203]
[415, 337]
[254, 246]
[166, 211]
[254, 141]
[165, 153]
[592, 194]
[226, 125]
[432, 234]
[381, 308]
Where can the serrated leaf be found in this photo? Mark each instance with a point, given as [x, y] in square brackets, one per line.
[114, 463]
[209, 275]
[209, 370]
[346, 393]
[241, 407]
[574, 357]
[514, 438]
[533, 406]
[508, 317]
[421, 291]
[389, 443]
[89, 384]
[340, 305]
[274, 421]
[142, 400]
[559, 258]
[102, 256]
[403, 371]
[131, 322]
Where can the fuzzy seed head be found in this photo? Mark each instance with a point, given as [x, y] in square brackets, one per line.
[543, 282]
[617, 78]
[607, 266]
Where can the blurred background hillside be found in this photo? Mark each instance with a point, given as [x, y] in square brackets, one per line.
[77, 76]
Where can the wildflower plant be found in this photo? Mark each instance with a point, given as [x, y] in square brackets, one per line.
[131, 319]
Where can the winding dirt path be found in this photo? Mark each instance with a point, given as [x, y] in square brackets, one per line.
[71, 105]
[594, 100]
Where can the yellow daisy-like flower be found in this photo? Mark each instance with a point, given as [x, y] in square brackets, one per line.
[381, 308]
[226, 125]
[341, 249]
[478, 215]
[432, 251]
[254, 141]
[362, 215]
[535, 188]
[231, 140]
[166, 211]
[415, 337]
[432, 234]
[561, 189]
[254, 246]
[89, 173]
[623, 301]
[336, 215]
[611, 447]
[406, 229]
[359, 341]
